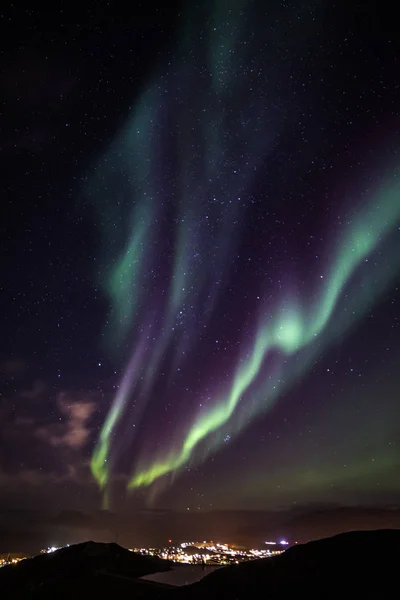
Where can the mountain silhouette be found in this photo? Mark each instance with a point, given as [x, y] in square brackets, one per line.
[361, 564]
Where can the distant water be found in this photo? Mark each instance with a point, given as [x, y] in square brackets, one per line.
[182, 574]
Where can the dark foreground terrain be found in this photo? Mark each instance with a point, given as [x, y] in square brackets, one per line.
[362, 564]
[88, 570]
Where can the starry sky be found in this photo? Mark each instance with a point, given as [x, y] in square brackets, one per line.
[200, 256]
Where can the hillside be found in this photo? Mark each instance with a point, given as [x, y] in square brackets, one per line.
[78, 570]
[349, 565]
[361, 564]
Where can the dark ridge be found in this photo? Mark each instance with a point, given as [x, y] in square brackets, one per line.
[348, 565]
[362, 564]
[87, 566]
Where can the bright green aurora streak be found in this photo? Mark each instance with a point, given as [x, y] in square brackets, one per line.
[177, 306]
[291, 331]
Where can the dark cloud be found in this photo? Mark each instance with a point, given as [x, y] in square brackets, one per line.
[72, 430]
[44, 437]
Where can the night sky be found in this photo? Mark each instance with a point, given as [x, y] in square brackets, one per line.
[200, 256]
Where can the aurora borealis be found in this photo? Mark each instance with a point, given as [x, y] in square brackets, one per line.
[201, 248]
[290, 330]
[176, 283]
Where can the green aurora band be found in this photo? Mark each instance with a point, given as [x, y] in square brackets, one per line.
[100, 464]
[125, 278]
[133, 169]
[290, 331]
